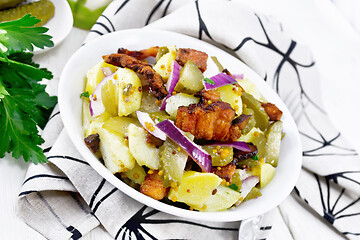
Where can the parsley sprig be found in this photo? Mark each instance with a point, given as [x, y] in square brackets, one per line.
[24, 104]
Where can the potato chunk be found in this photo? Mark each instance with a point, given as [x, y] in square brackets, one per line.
[95, 75]
[163, 66]
[129, 90]
[221, 199]
[195, 188]
[231, 94]
[175, 101]
[115, 152]
[144, 153]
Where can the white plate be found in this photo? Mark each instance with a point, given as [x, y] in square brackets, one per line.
[72, 83]
[60, 25]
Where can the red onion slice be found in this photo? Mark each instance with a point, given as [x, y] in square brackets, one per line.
[238, 76]
[107, 71]
[150, 126]
[171, 83]
[96, 105]
[200, 156]
[218, 80]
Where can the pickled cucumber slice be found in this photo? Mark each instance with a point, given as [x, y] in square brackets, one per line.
[272, 147]
[4, 4]
[190, 80]
[258, 138]
[220, 156]
[43, 9]
[172, 162]
[137, 174]
[162, 51]
[261, 117]
[254, 193]
[267, 174]
[251, 123]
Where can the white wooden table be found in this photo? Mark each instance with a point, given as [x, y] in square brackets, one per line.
[338, 49]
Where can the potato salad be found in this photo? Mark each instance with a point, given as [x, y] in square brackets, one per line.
[177, 126]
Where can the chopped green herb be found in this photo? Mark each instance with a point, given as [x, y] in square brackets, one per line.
[255, 157]
[85, 94]
[209, 81]
[234, 187]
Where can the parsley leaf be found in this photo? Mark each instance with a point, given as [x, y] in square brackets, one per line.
[234, 187]
[255, 157]
[20, 35]
[209, 81]
[24, 104]
[3, 92]
[18, 133]
[85, 94]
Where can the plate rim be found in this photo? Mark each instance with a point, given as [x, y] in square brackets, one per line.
[63, 4]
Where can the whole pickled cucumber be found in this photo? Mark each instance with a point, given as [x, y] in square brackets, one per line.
[4, 4]
[43, 9]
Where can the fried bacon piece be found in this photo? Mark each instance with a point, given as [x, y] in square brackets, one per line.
[187, 54]
[225, 172]
[208, 95]
[209, 122]
[237, 125]
[93, 142]
[272, 111]
[227, 72]
[152, 77]
[142, 54]
[153, 186]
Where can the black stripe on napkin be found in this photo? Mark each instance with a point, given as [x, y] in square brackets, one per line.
[202, 25]
[155, 8]
[351, 233]
[121, 6]
[103, 199]
[78, 202]
[26, 193]
[112, 25]
[101, 185]
[96, 31]
[69, 158]
[49, 208]
[166, 8]
[46, 150]
[265, 228]
[134, 224]
[76, 234]
[104, 26]
[55, 114]
[45, 176]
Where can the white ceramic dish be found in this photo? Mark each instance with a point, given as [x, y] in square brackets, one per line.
[60, 25]
[72, 85]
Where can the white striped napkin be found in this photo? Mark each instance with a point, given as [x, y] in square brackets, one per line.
[67, 198]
